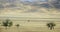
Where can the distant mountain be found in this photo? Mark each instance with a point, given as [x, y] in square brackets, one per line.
[56, 3]
[14, 3]
[27, 5]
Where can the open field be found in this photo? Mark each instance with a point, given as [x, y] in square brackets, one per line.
[32, 26]
[31, 29]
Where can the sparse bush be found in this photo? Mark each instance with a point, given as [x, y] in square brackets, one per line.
[7, 23]
[51, 25]
[17, 25]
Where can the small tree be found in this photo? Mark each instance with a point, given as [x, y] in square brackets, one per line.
[17, 25]
[28, 20]
[7, 23]
[51, 25]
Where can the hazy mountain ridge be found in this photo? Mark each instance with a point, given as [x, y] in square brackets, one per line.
[17, 7]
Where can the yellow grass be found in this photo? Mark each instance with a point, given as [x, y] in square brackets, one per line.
[32, 27]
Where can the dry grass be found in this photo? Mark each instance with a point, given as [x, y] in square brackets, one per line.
[29, 29]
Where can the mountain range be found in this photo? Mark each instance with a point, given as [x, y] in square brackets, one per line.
[28, 8]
